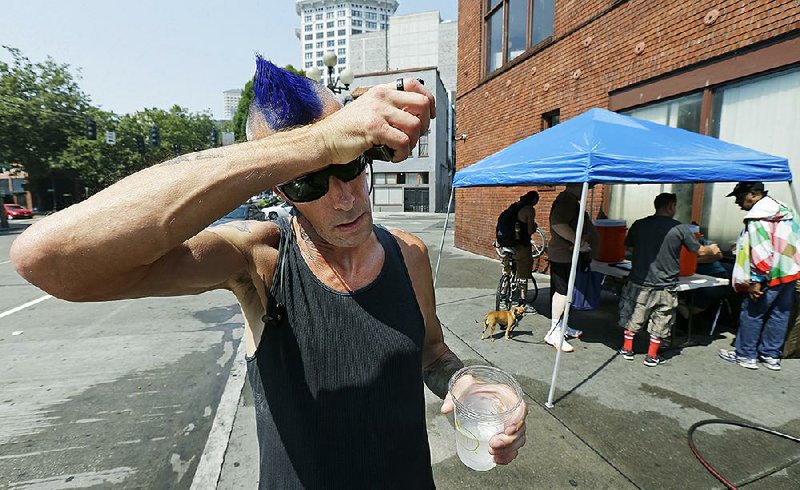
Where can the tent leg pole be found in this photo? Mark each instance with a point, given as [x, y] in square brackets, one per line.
[444, 232]
[570, 291]
[794, 195]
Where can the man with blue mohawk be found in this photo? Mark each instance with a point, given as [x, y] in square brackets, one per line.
[340, 315]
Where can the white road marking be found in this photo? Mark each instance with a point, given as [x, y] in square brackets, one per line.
[210, 465]
[77, 480]
[37, 453]
[5, 262]
[22, 307]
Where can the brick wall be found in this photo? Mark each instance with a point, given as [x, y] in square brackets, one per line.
[507, 106]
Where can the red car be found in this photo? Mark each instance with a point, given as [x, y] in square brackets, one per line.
[15, 211]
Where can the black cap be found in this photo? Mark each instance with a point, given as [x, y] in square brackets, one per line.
[745, 187]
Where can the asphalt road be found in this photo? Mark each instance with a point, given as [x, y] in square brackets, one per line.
[120, 393]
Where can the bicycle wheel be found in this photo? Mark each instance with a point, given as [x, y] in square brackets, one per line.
[538, 243]
[503, 294]
[533, 290]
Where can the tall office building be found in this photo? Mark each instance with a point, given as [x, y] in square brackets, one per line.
[230, 101]
[326, 25]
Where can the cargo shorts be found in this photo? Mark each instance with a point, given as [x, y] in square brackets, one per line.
[642, 305]
[524, 261]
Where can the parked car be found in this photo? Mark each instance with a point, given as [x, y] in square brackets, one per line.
[280, 210]
[241, 213]
[15, 211]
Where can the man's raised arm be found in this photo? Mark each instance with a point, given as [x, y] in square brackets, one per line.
[103, 247]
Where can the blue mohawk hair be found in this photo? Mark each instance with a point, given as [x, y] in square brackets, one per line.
[285, 99]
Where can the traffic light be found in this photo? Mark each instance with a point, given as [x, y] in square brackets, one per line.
[140, 144]
[213, 137]
[91, 129]
[155, 136]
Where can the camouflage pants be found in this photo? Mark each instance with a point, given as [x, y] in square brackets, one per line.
[641, 305]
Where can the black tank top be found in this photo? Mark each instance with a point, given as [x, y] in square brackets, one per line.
[337, 380]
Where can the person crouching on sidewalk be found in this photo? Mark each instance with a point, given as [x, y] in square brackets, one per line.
[767, 266]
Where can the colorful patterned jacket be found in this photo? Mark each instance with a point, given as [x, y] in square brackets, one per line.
[768, 249]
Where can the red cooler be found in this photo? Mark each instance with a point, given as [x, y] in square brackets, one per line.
[689, 260]
[612, 239]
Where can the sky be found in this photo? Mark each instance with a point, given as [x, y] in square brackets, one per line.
[156, 53]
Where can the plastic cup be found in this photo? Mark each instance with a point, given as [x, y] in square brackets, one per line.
[482, 409]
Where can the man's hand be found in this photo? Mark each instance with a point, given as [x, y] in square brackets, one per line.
[506, 445]
[755, 291]
[382, 116]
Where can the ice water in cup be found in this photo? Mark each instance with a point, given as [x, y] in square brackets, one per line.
[485, 399]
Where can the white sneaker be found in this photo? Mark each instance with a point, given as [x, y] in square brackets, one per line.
[552, 339]
[573, 333]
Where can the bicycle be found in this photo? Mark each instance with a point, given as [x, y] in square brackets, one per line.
[508, 289]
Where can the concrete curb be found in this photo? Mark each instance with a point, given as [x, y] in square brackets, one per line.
[208, 470]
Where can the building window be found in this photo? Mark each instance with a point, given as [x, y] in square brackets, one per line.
[331, 33]
[342, 61]
[318, 16]
[550, 119]
[341, 51]
[342, 42]
[319, 63]
[307, 18]
[384, 27]
[423, 144]
[308, 27]
[342, 32]
[309, 56]
[355, 13]
[420, 178]
[330, 43]
[389, 178]
[319, 54]
[309, 46]
[329, 25]
[372, 25]
[341, 13]
[341, 23]
[371, 16]
[309, 64]
[309, 37]
[329, 15]
[384, 17]
[508, 33]
[319, 35]
[355, 31]
[357, 23]
[320, 44]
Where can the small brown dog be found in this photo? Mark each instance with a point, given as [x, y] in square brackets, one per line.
[508, 319]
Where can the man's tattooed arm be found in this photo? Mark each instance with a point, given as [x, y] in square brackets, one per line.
[437, 375]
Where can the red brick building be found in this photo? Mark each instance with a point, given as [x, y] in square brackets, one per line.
[730, 69]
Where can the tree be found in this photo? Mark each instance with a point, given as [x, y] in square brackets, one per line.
[41, 108]
[97, 165]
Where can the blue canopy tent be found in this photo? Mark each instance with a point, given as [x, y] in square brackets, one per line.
[602, 147]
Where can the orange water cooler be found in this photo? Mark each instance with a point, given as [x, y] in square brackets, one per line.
[689, 260]
[612, 239]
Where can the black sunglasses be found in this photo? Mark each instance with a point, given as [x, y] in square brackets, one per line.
[315, 185]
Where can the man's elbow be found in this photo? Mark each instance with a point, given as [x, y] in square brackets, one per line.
[40, 267]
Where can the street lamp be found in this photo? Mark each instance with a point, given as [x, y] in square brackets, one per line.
[345, 78]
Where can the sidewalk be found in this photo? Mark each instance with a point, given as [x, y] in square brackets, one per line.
[616, 424]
